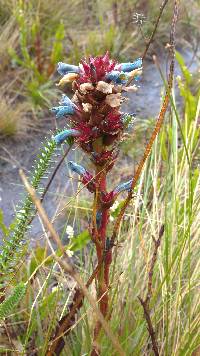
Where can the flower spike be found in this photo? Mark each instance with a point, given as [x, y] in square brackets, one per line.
[63, 135]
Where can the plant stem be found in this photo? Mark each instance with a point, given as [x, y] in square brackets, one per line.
[100, 246]
[100, 243]
[68, 266]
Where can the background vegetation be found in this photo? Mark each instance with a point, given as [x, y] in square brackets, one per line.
[36, 34]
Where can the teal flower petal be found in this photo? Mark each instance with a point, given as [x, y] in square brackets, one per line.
[61, 111]
[77, 168]
[128, 67]
[123, 187]
[64, 68]
[63, 135]
[117, 77]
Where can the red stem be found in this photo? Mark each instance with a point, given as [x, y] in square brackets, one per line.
[103, 274]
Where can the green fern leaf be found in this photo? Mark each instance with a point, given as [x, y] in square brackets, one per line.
[8, 306]
[13, 247]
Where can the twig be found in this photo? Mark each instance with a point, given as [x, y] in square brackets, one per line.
[146, 302]
[68, 320]
[68, 267]
[164, 3]
[148, 43]
[142, 34]
[41, 212]
[54, 173]
[10, 339]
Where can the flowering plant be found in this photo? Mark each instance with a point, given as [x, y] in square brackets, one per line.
[97, 125]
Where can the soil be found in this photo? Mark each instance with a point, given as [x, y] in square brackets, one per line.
[15, 154]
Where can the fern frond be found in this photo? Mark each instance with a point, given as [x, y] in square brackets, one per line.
[12, 248]
[8, 306]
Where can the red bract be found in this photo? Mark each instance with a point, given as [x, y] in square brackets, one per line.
[104, 158]
[112, 124]
[88, 180]
[96, 69]
[88, 133]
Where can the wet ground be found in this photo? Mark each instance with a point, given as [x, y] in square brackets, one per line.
[21, 154]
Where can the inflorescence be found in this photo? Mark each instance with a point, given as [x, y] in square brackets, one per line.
[94, 118]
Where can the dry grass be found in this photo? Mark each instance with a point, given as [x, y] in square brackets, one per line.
[14, 118]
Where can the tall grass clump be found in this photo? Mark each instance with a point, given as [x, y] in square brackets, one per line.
[168, 195]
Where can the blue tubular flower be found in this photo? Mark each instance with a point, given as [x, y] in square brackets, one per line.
[86, 177]
[128, 67]
[63, 135]
[67, 107]
[63, 110]
[117, 77]
[123, 187]
[64, 68]
[77, 168]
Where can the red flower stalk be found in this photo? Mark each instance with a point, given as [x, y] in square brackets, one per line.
[97, 125]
